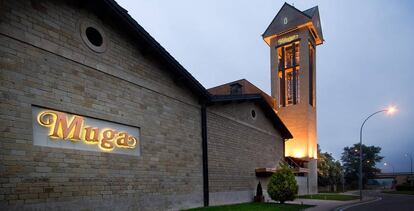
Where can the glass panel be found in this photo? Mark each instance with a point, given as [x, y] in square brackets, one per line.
[288, 57]
[290, 84]
[297, 54]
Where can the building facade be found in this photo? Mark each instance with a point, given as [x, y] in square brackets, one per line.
[292, 37]
[244, 136]
[95, 114]
[50, 62]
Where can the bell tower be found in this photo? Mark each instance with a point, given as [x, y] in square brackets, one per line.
[292, 37]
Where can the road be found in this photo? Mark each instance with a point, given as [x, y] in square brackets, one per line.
[389, 202]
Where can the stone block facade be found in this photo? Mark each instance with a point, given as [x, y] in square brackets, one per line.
[237, 145]
[48, 61]
[45, 62]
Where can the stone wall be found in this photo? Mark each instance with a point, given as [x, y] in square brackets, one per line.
[44, 62]
[237, 144]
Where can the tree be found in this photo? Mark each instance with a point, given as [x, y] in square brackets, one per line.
[259, 193]
[329, 170]
[282, 185]
[350, 160]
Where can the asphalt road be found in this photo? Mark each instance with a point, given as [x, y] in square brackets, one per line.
[391, 202]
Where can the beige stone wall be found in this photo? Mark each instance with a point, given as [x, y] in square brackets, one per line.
[44, 62]
[300, 119]
[237, 144]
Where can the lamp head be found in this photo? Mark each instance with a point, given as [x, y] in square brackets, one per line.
[391, 110]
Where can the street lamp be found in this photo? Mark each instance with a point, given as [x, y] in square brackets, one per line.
[389, 110]
[389, 164]
[411, 173]
[411, 158]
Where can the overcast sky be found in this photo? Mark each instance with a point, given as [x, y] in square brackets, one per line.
[363, 66]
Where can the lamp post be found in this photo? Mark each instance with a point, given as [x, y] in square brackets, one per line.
[411, 159]
[389, 110]
[389, 164]
[411, 172]
[393, 174]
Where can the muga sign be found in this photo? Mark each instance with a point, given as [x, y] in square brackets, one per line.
[59, 129]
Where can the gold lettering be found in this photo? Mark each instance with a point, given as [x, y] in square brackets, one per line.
[106, 142]
[46, 118]
[61, 129]
[88, 132]
[133, 140]
[122, 139]
[73, 129]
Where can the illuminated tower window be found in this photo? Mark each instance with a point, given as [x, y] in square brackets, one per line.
[292, 85]
[311, 89]
[289, 60]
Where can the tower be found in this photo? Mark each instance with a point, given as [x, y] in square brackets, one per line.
[293, 36]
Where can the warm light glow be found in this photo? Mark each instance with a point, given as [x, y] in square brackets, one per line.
[298, 153]
[63, 127]
[391, 109]
[301, 148]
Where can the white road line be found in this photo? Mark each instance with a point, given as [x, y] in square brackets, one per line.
[358, 204]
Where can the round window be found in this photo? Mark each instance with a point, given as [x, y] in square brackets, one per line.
[93, 36]
[253, 113]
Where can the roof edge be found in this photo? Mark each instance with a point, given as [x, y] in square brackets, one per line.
[139, 30]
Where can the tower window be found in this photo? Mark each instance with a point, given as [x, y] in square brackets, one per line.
[291, 55]
[292, 84]
[236, 89]
[289, 69]
[311, 79]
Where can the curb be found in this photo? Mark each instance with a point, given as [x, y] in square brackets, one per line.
[344, 207]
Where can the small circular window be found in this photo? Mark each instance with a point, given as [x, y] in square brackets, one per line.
[93, 36]
[253, 113]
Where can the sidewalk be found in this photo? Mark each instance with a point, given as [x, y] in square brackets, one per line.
[327, 205]
[322, 205]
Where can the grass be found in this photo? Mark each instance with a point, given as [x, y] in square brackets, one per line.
[330, 192]
[255, 206]
[407, 192]
[330, 196]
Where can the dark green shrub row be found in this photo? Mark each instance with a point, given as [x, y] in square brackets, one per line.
[405, 187]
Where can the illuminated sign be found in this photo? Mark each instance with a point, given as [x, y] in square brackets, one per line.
[59, 129]
[287, 39]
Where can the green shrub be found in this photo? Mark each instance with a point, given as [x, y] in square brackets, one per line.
[259, 190]
[282, 185]
[404, 187]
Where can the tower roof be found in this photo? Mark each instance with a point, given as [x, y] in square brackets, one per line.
[290, 18]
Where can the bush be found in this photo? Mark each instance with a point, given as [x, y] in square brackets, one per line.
[259, 190]
[259, 193]
[282, 185]
[404, 187]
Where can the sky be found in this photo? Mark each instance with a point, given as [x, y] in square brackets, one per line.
[363, 66]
